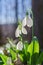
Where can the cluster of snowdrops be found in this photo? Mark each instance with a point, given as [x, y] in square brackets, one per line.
[28, 53]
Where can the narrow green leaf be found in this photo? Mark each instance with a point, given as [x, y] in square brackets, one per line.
[21, 57]
[4, 57]
[36, 45]
[40, 59]
[13, 54]
[30, 48]
[25, 47]
[34, 58]
[1, 61]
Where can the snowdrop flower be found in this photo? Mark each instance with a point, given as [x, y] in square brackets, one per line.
[19, 45]
[20, 31]
[1, 50]
[27, 21]
[7, 45]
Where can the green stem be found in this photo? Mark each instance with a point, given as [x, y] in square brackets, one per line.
[30, 10]
[33, 33]
[32, 26]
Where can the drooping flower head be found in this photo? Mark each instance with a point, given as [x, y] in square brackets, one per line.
[20, 29]
[27, 21]
[19, 45]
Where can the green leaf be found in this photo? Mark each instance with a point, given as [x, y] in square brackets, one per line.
[34, 46]
[5, 64]
[40, 59]
[30, 48]
[28, 56]
[13, 54]
[1, 61]
[34, 58]
[21, 57]
[25, 47]
[4, 58]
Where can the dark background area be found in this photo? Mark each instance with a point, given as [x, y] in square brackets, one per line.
[38, 20]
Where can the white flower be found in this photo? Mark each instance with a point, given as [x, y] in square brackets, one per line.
[19, 45]
[24, 31]
[7, 45]
[27, 21]
[1, 50]
[19, 31]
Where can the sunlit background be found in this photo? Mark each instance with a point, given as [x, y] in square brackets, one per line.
[12, 10]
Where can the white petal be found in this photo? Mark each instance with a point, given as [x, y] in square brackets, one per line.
[1, 50]
[24, 22]
[7, 45]
[29, 22]
[19, 45]
[17, 33]
[24, 31]
[8, 51]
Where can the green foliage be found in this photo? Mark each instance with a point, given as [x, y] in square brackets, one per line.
[3, 59]
[33, 49]
[23, 55]
[34, 46]
[1, 62]
[13, 54]
[40, 58]
[30, 53]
